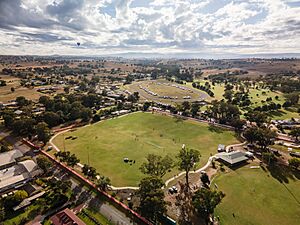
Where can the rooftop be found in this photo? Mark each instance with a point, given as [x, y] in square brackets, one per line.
[232, 157]
[9, 157]
[18, 174]
[66, 217]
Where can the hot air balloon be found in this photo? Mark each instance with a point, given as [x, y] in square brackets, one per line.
[78, 43]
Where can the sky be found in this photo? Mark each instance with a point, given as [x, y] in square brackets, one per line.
[102, 27]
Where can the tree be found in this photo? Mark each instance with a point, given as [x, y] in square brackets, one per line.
[223, 111]
[86, 114]
[269, 157]
[258, 117]
[44, 100]
[22, 101]
[205, 179]
[152, 203]
[8, 120]
[103, 183]
[205, 201]
[295, 132]
[14, 199]
[261, 136]
[89, 171]
[187, 161]
[157, 165]
[237, 123]
[24, 126]
[12, 89]
[66, 89]
[266, 137]
[194, 109]
[44, 163]
[2, 83]
[293, 98]
[51, 118]
[146, 106]
[185, 105]
[72, 160]
[251, 134]
[228, 95]
[43, 132]
[294, 163]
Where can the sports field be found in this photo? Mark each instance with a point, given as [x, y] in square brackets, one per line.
[166, 91]
[255, 197]
[106, 143]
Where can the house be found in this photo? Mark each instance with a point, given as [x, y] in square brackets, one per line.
[18, 112]
[17, 175]
[232, 158]
[66, 217]
[7, 159]
[28, 201]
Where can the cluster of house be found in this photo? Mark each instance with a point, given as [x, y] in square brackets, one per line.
[286, 123]
[15, 173]
[13, 105]
[48, 90]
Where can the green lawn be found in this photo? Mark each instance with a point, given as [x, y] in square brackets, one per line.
[134, 136]
[87, 213]
[257, 198]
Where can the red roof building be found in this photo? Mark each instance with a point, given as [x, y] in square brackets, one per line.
[66, 217]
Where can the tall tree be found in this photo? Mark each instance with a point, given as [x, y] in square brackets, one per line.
[103, 183]
[43, 132]
[44, 163]
[258, 117]
[152, 203]
[156, 165]
[295, 132]
[261, 136]
[205, 201]
[187, 161]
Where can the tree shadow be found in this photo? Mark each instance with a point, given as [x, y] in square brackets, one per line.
[283, 173]
[179, 119]
[238, 165]
[215, 129]
[276, 113]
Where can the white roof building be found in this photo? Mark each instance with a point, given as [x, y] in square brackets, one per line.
[9, 158]
[18, 175]
[232, 158]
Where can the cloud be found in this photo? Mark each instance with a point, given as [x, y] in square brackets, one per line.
[110, 26]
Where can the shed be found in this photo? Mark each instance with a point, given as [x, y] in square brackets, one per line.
[232, 158]
[221, 148]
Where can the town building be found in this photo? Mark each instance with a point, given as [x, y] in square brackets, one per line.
[66, 217]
